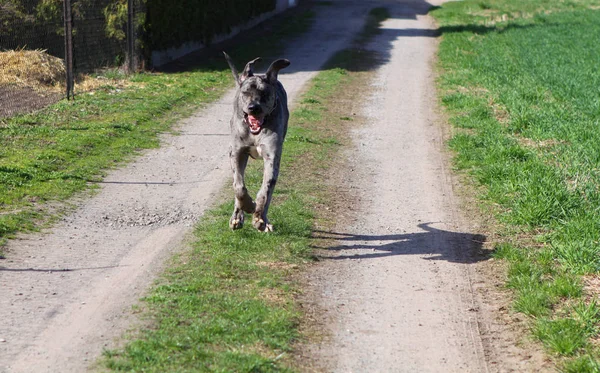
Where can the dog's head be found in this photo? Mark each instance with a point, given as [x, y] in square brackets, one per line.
[257, 93]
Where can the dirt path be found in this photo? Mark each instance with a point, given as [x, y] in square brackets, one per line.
[401, 284]
[67, 294]
[402, 289]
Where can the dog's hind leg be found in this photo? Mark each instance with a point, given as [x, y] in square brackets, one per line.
[243, 201]
[263, 198]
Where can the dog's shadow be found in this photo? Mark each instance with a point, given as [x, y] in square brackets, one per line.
[431, 243]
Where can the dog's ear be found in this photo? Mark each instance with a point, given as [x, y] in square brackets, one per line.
[234, 71]
[274, 69]
[248, 70]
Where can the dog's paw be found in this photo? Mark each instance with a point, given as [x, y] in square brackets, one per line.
[236, 221]
[262, 225]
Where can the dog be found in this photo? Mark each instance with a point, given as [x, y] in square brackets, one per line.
[258, 128]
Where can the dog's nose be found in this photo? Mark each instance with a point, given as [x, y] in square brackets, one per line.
[253, 108]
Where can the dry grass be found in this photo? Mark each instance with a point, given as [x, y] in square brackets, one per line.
[35, 69]
[44, 73]
[88, 83]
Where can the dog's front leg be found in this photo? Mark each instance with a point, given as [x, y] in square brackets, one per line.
[263, 198]
[243, 201]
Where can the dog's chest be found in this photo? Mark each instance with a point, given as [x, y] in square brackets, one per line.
[255, 152]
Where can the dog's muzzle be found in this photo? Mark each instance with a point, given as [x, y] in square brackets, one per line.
[254, 121]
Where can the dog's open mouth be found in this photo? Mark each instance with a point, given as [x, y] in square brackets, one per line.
[255, 122]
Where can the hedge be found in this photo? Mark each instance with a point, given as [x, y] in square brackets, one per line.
[173, 23]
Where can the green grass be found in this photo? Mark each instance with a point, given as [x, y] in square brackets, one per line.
[519, 80]
[51, 155]
[228, 304]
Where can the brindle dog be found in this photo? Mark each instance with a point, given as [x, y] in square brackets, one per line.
[258, 128]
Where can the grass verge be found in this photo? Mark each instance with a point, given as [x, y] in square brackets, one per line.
[519, 81]
[51, 155]
[228, 304]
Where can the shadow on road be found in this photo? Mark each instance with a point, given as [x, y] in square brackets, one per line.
[52, 270]
[433, 243]
[240, 47]
[251, 43]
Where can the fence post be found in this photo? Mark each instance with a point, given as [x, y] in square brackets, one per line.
[68, 18]
[130, 37]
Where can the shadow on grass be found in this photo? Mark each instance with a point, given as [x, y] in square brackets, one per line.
[432, 243]
[480, 29]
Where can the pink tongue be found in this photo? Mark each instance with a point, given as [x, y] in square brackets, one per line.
[255, 122]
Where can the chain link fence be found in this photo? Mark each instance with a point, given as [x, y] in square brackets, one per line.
[46, 47]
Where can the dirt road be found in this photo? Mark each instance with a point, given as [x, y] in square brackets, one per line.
[398, 290]
[402, 285]
[405, 287]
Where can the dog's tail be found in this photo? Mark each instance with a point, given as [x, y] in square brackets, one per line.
[236, 75]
